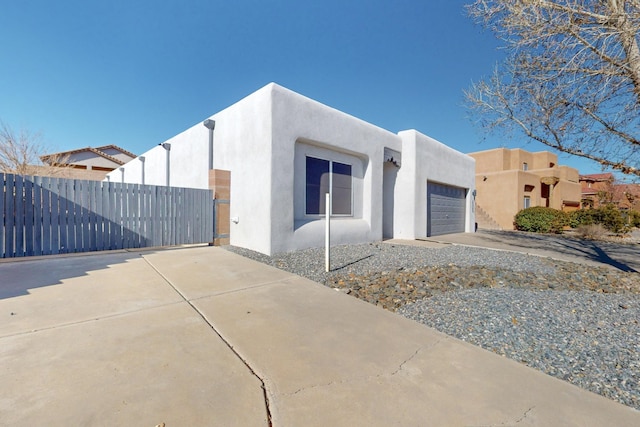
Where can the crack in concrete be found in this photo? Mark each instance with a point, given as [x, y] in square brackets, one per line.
[235, 291]
[91, 319]
[420, 349]
[265, 394]
[508, 423]
[369, 377]
[524, 415]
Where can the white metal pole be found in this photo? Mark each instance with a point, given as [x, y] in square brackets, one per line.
[327, 235]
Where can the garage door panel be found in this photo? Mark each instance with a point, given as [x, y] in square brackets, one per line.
[445, 209]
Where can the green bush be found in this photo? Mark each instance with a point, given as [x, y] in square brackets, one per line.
[612, 219]
[541, 220]
[582, 217]
[634, 219]
[609, 216]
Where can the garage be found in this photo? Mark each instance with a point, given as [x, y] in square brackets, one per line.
[445, 209]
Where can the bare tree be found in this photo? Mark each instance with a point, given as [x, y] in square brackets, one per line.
[20, 154]
[571, 77]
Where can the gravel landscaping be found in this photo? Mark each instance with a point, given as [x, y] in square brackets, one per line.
[575, 322]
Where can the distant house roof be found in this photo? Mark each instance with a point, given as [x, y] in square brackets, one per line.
[597, 177]
[74, 157]
[115, 147]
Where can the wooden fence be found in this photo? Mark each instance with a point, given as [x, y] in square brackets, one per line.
[43, 216]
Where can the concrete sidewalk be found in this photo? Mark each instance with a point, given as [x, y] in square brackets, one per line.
[205, 337]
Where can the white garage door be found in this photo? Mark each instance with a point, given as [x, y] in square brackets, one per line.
[445, 209]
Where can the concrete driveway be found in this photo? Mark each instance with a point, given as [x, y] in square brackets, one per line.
[624, 257]
[205, 337]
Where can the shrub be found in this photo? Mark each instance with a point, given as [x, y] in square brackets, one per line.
[592, 231]
[634, 219]
[540, 220]
[612, 219]
[608, 216]
[582, 217]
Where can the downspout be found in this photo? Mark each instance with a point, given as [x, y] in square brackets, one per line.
[141, 158]
[167, 147]
[210, 124]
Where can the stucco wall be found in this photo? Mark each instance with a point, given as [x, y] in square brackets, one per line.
[302, 125]
[426, 159]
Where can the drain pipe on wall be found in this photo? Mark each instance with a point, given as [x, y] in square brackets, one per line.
[167, 147]
[141, 158]
[211, 125]
[327, 234]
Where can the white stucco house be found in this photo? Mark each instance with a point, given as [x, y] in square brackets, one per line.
[285, 151]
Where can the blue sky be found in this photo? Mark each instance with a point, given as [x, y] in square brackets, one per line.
[135, 73]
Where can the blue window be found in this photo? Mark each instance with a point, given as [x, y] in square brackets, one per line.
[325, 176]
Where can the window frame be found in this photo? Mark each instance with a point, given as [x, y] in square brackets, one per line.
[331, 173]
[526, 201]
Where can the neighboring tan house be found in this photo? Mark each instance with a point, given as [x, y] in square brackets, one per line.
[281, 153]
[600, 188]
[88, 162]
[509, 180]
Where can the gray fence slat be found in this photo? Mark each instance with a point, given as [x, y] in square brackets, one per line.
[69, 188]
[38, 207]
[193, 216]
[199, 224]
[173, 218]
[47, 237]
[124, 200]
[112, 215]
[77, 208]
[135, 215]
[96, 212]
[19, 216]
[45, 213]
[207, 235]
[91, 208]
[79, 221]
[106, 216]
[177, 217]
[125, 216]
[117, 220]
[10, 215]
[63, 215]
[132, 212]
[56, 225]
[86, 227]
[3, 214]
[164, 215]
[153, 218]
[70, 208]
[142, 206]
[165, 207]
[29, 218]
